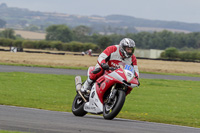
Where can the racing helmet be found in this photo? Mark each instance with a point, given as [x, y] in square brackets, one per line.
[126, 42]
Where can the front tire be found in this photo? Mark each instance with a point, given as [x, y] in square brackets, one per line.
[78, 105]
[110, 111]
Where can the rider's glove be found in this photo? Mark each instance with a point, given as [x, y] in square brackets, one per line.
[105, 66]
[112, 68]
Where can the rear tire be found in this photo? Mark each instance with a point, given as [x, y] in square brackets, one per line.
[110, 111]
[78, 105]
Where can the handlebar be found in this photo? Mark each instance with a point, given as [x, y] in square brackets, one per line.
[113, 68]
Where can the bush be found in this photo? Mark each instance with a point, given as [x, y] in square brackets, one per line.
[79, 47]
[43, 44]
[6, 42]
[66, 47]
[76, 46]
[92, 46]
[18, 43]
[171, 53]
[56, 45]
[190, 56]
[29, 44]
[162, 55]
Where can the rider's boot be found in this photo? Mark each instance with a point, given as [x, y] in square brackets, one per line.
[86, 87]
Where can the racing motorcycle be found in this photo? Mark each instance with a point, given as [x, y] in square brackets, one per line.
[108, 92]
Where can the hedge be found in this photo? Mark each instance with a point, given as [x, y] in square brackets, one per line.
[173, 53]
[54, 45]
[6, 42]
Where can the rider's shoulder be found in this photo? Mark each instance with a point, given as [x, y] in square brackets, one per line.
[133, 56]
[111, 48]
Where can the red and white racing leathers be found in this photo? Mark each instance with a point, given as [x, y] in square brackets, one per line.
[112, 56]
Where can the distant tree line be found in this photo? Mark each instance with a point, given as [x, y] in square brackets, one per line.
[9, 33]
[144, 40]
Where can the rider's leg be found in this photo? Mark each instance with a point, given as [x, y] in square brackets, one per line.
[93, 75]
[87, 85]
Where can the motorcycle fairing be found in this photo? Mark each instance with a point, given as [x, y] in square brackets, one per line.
[103, 84]
[94, 105]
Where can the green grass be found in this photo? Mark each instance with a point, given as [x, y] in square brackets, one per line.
[175, 74]
[31, 65]
[43, 91]
[164, 101]
[5, 131]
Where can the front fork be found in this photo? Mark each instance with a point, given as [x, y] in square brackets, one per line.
[112, 94]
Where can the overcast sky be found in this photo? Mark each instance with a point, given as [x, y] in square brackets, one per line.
[170, 10]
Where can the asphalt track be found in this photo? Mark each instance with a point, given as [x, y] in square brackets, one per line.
[44, 121]
[6, 68]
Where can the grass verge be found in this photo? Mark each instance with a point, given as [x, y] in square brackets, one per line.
[32, 65]
[6, 131]
[175, 74]
[164, 101]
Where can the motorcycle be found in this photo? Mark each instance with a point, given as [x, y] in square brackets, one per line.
[108, 92]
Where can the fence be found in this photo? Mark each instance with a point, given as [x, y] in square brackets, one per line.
[148, 53]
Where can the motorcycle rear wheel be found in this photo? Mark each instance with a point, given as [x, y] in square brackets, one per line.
[78, 105]
[110, 113]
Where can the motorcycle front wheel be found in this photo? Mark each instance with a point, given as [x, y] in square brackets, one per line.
[78, 105]
[112, 109]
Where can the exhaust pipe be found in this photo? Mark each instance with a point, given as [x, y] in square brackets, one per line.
[78, 83]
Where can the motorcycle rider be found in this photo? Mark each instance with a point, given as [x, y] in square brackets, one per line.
[111, 57]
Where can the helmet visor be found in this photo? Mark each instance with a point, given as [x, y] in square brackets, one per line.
[130, 49]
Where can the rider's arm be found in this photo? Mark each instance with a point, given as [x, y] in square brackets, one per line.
[105, 55]
[134, 63]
